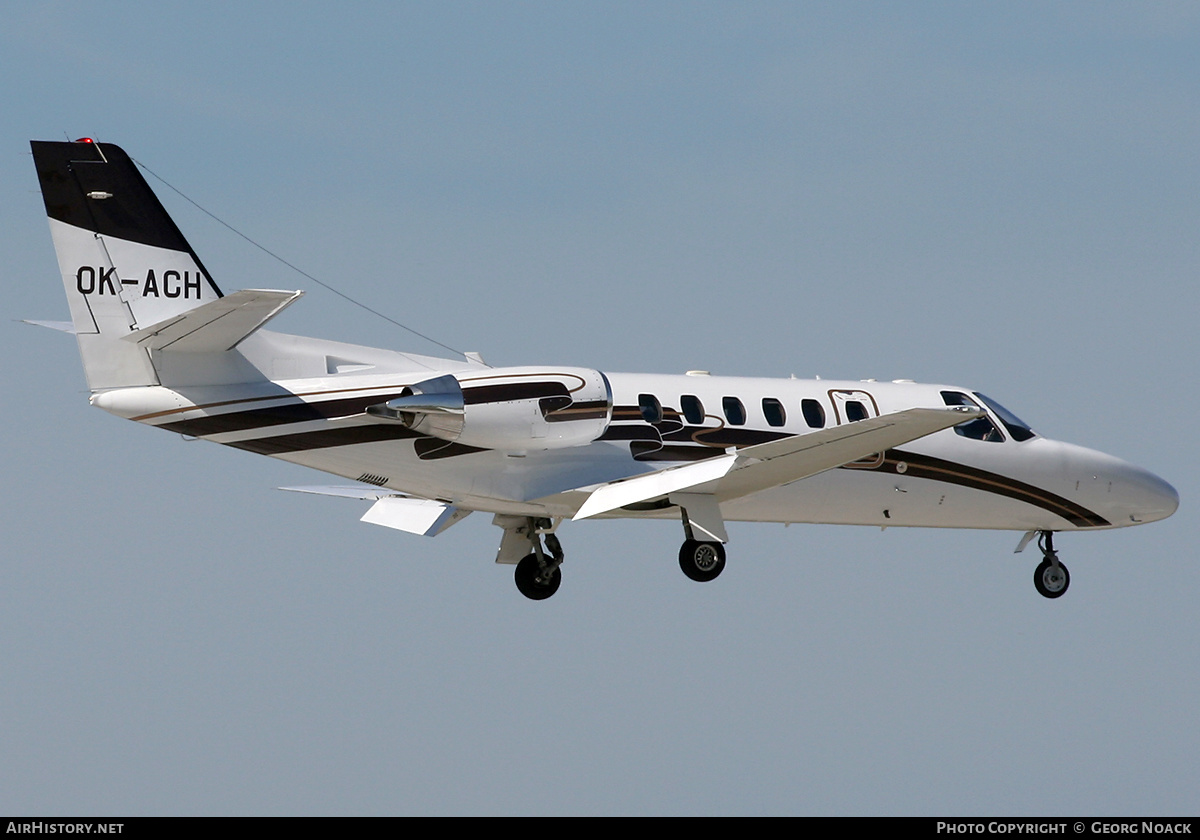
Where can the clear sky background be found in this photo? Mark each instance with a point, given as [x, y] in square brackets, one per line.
[1002, 196]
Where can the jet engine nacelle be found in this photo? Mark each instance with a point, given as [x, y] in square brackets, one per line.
[507, 408]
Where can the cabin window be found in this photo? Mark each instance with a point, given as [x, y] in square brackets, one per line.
[693, 409]
[855, 411]
[773, 411]
[814, 414]
[652, 411]
[735, 412]
[981, 428]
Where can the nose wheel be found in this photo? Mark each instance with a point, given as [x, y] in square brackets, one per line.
[1051, 577]
[1051, 580]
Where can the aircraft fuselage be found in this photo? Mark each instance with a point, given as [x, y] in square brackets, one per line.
[973, 478]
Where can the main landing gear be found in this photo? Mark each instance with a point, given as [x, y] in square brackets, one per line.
[1051, 577]
[537, 574]
[701, 561]
[701, 557]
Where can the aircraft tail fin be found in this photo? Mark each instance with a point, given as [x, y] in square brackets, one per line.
[125, 265]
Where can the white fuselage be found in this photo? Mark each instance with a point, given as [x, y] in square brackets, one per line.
[985, 479]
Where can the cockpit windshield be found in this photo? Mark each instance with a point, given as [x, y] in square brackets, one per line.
[981, 428]
[1017, 427]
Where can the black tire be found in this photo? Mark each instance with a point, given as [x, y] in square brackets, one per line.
[702, 561]
[529, 579]
[1049, 584]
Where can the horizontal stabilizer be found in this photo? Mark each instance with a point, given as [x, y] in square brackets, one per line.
[61, 326]
[427, 517]
[766, 465]
[216, 326]
[358, 491]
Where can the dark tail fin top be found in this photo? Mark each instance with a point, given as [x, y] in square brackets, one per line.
[97, 187]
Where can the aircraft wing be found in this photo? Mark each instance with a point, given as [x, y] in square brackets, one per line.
[767, 465]
[427, 517]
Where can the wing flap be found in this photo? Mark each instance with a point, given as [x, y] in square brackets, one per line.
[426, 517]
[653, 485]
[218, 325]
[767, 465]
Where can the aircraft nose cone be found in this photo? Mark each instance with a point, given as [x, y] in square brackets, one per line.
[1121, 492]
[1149, 497]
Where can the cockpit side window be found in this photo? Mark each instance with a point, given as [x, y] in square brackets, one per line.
[981, 428]
[1017, 427]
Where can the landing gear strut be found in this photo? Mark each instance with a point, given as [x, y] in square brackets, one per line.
[1051, 577]
[537, 575]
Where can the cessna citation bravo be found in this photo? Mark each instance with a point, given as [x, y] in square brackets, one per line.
[429, 440]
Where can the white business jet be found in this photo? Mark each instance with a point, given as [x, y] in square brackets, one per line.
[429, 440]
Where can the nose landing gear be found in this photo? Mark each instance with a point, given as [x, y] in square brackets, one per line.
[1051, 577]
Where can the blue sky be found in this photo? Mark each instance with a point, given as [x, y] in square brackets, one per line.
[1000, 196]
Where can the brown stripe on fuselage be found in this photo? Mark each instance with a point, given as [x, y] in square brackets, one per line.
[141, 418]
[936, 469]
[257, 418]
[325, 438]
